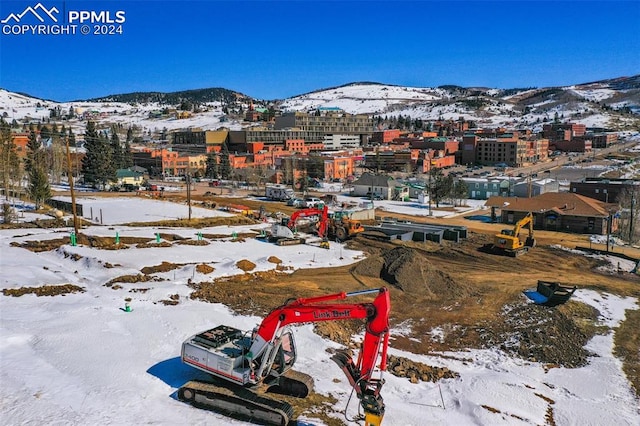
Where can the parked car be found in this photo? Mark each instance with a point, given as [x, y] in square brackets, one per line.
[310, 202]
[295, 202]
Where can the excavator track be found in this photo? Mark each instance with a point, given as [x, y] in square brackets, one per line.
[293, 383]
[236, 401]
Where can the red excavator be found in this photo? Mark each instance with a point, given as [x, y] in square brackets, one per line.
[247, 366]
[338, 225]
[284, 233]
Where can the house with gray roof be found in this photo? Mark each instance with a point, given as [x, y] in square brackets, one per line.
[377, 185]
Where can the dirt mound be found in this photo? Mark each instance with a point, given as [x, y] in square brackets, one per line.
[412, 272]
[246, 265]
[204, 269]
[540, 334]
[45, 290]
[417, 371]
[273, 259]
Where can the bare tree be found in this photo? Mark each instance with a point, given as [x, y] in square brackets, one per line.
[629, 219]
[9, 162]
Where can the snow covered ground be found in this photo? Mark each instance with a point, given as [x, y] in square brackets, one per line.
[81, 359]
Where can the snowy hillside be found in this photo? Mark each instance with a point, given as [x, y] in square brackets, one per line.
[485, 107]
[146, 116]
[609, 104]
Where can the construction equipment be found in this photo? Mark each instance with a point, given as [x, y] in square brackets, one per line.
[342, 227]
[247, 365]
[285, 232]
[508, 240]
[336, 225]
[549, 293]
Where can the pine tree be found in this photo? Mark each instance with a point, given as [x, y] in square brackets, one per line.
[117, 154]
[39, 188]
[97, 164]
[127, 156]
[225, 165]
[213, 168]
[33, 146]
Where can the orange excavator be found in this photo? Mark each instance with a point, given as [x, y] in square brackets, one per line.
[247, 365]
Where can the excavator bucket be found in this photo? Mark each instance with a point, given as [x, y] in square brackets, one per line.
[371, 419]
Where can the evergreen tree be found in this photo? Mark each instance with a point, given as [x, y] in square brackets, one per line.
[33, 146]
[212, 166]
[72, 138]
[127, 156]
[117, 154]
[39, 188]
[45, 133]
[225, 164]
[8, 213]
[97, 164]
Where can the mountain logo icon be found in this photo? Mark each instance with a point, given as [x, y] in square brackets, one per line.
[38, 11]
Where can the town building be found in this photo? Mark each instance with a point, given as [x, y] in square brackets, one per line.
[533, 188]
[563, 211]
[507, 148]
[484, 188]
[328, 122]
[607, 190]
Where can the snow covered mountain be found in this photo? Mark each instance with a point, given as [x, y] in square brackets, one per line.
[610, 103]
[613, 104]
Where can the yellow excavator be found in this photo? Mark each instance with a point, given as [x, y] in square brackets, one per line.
[508, 241]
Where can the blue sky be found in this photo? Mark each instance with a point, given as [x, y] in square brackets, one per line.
[278, 49]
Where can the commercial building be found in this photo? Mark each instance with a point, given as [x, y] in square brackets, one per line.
[554, 211]
[328, 122]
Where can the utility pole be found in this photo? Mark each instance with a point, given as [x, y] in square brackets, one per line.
[631, 217]
[188, 179]
[73, 194]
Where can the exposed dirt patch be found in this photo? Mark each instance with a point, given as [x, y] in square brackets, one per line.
[246, 265]
[539, 334]
[155, 245]
[45, 290]
[163, 267]
[203, 268]
[173, 300]
[417, 371]
[198, 223]
[132, 279]
[193, 242]
[274, 259]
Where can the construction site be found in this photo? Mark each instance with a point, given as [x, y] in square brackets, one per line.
[445, 274]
